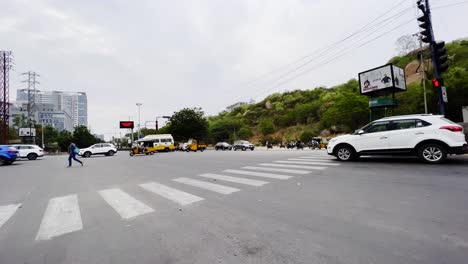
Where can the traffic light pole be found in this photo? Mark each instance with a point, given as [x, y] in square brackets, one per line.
[434, 60]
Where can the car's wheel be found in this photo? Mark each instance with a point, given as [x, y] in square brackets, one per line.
[243, 149]
[110, 153]
[216, 148]
[202, 149]
[32, 156]
[3, 161]
[87, 154]
[252, 149]
[345, 153]
[131, 154]
[432, 153]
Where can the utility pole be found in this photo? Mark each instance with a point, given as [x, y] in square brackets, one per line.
[438, 52]
[5, 66]
[139, 124]
[31, 98]
[423, 71]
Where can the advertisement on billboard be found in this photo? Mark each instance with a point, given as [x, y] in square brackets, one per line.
[127, 124]
[399, 78]
[27, 132]
[387, 77]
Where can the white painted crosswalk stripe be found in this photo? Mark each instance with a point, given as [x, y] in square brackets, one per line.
[316, 160]
[172, 194]
[316, 157]
[307, 163]
[124, 204]
[259, 174]
[233, 179]
[7, 211]
[62, 216]
[207, 185]
[277, 170]
[292, 166]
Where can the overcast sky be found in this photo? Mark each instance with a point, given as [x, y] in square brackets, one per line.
[169, 55]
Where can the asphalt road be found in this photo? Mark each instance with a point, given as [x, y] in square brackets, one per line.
[158, 209]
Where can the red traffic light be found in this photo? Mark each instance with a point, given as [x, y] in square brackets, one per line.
[435, 82]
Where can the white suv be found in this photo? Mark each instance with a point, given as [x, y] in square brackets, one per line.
[430, 137]
[31, 152]
[96, 149]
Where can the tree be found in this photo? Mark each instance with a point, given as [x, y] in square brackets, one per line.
[349, 110]
[64, 139]
[307, 136]
[405, 44]
[188, 123]
[83, 138]
[266, 126]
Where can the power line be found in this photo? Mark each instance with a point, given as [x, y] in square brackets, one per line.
[331, 46]
[448, 5]
[369, 28]
[339, 56]
[345, 48]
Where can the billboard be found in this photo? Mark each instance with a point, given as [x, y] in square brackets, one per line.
[127, 124]
[383, 78]
[27, 132]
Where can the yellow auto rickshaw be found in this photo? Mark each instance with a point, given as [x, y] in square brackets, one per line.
[143, 147]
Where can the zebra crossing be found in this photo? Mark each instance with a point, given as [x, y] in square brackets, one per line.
[63, 215]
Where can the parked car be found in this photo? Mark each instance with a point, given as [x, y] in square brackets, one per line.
[243, 145]
[31, 152]
[106, 149]
[430, 137]
[8, 155]
[223, 146]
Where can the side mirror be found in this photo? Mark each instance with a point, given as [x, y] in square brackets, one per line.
[360, 132]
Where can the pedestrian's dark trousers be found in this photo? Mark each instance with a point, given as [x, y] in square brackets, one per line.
[72, 156]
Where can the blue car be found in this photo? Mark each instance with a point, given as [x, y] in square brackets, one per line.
[8, 155]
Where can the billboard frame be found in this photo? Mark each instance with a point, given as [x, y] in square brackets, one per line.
[382, 91]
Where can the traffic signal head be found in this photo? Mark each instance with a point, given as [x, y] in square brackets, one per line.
[425, 26]
[157, 125]
[440, 56]
[437, 83]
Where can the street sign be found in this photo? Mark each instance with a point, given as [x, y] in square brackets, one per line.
[382, 102]
[127, 124]
[444, 94]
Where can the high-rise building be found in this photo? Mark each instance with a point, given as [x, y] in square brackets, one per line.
[46, 114]
[74, 104]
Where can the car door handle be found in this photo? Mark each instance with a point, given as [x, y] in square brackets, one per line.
[419, 133]
[383, 137]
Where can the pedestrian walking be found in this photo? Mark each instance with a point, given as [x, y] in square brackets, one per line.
[72, 151]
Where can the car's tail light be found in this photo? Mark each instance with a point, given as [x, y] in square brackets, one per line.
[452, 128]
[12, 151]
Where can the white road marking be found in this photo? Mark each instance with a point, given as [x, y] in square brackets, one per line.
[62, 216]
[259, 174]
[276, 170]
[207, 185]
[307, 163]
[315, 159]
[7, 211]
[292, 166]
[233, 179]
[124, 204]
[172, 194]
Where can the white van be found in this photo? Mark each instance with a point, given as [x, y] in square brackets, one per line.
[161, 142]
